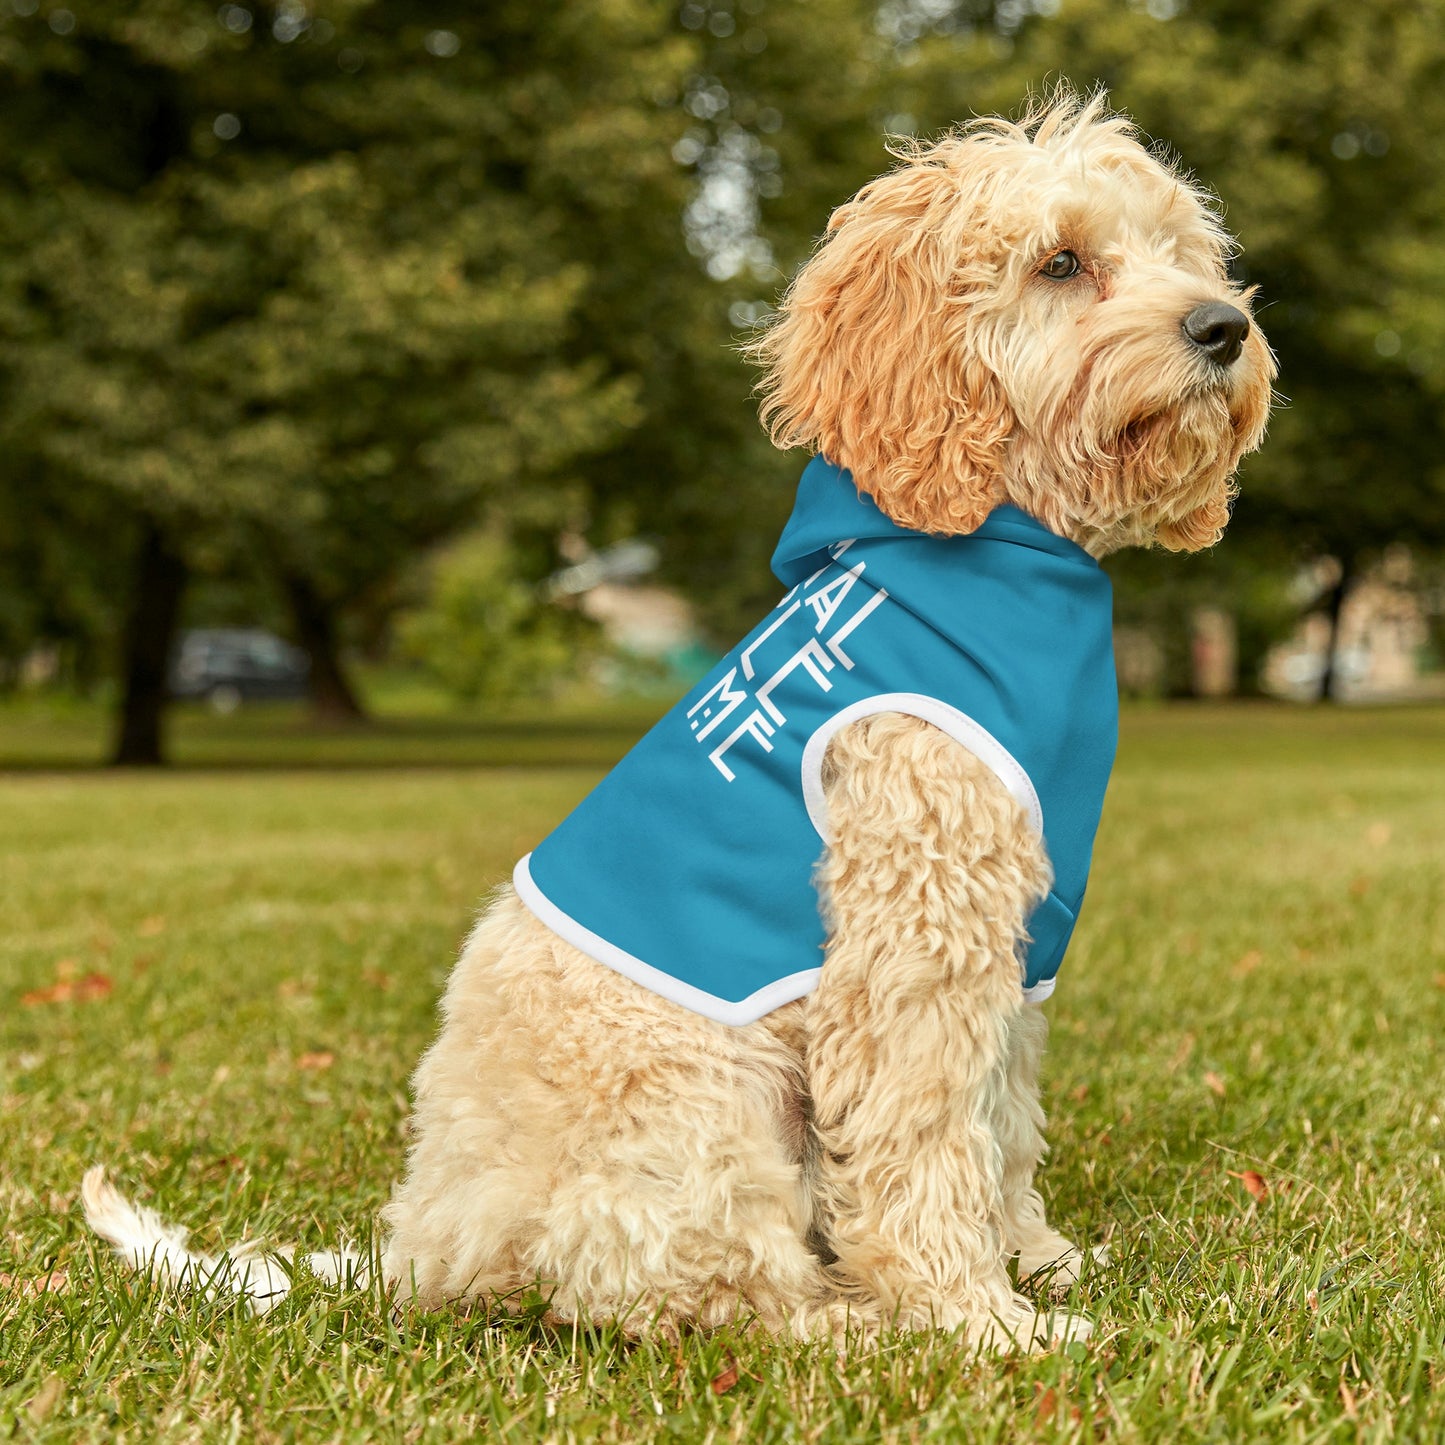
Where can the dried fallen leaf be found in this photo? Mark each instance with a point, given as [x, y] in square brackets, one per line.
[377, 978]
[1254, 1183]
[1440, 980]
[1080, 1094]
[1359, 886]
[724, 1382]
[1181, 1054]
[320, 1059]
[56, 993]
[1214, 1083]
[56, 1282]
[82, 990]
[1046, 1408]
[1248, 963]
[151, 927]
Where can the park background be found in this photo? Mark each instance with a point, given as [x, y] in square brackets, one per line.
[408, 333]
[382, 325]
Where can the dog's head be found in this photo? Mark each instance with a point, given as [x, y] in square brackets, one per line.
[1037, 313]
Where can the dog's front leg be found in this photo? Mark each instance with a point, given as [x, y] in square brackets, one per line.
[926, 886]
[1043, 1253]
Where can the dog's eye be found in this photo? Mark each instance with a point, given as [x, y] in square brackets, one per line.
[1060, 266]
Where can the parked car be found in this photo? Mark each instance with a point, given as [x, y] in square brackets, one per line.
[230, 665]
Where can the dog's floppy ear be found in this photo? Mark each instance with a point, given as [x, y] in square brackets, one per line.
[872, 361]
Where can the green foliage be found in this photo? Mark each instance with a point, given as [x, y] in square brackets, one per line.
[319, 285]
[61, 567]
[310, 285]
[776, 119]
[343, 324]
[315, 287]
[485, 633]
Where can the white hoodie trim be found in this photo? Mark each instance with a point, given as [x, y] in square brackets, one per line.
[958, 725]
[699, 1001]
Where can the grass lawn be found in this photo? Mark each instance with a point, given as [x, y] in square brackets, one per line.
[216, 980]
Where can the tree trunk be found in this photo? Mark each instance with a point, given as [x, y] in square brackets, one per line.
[1329, 678]
[333, 699]
[150, 631]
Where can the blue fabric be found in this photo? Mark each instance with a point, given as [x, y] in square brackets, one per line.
[690, 866]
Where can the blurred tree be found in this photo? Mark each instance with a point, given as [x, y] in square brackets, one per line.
[779, 115]
[324, 284]
[1162, 594]
[59, 574]
[486, 633]
[307, 282]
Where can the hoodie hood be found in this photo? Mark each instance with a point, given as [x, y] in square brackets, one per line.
[830, 509]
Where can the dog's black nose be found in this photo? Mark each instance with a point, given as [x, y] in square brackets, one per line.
[1218, 331]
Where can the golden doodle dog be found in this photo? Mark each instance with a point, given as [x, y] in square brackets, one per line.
[755, 1035]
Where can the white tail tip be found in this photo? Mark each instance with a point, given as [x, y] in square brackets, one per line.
[147, 1243]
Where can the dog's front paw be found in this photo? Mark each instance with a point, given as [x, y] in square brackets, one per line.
[1023, 1326]
[1061, 1327]
[1056, 1267]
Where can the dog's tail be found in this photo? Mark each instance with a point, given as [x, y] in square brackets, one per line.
[147, 1243]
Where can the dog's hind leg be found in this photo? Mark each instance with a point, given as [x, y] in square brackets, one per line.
[577, 1135]
[926, 885]
[680, 1197]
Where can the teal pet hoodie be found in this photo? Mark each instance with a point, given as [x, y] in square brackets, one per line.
[690, 867]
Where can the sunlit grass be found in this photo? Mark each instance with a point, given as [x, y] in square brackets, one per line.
[231, 972]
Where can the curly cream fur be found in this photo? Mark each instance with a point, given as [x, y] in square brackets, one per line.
[576, 1133]
[927, 886]
[865, 1156]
